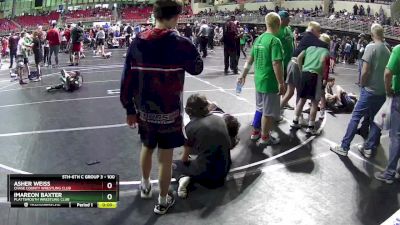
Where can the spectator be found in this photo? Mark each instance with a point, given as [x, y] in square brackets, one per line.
[53, 36]
[355, 9]
[312, 64]
[368, 11]
[188, 32]
[392, 89]
[372, 94]
[229, 39]
[13, 45]
[267, 54]
[38, 52]
[76, 41]
[203, 37]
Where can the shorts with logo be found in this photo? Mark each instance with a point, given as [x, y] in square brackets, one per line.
[155, 133]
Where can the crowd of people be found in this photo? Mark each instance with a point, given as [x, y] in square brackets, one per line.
[281, 67]
[44, 46]
[285, 63]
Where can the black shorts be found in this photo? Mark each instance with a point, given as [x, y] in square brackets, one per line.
[310, 87]
[163, 136]
[100, 41]
[38, 58]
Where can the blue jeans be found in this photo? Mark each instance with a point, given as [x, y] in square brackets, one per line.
[368, 105]
[360, 63]
[394, 134]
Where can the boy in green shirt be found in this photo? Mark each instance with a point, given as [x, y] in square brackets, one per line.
[285, 35]
[311, 62]
[392, 88]
[267, 54]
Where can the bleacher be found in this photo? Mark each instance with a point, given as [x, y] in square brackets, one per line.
[7, 25]
[136, 13]
[30, 21]
[85, 13]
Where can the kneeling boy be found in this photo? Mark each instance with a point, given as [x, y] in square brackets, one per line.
[209, 137]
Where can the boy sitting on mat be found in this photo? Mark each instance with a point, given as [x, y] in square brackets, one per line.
[210, 137]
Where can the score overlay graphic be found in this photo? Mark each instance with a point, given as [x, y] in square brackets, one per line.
[63, 190]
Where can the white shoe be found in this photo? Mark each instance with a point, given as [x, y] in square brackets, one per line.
[255, 135]
[182, 188]
[367, 153]
[145, 193]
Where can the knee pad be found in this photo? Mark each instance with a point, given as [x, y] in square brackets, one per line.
[257, 120]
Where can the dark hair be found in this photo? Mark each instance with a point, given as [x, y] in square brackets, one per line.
[197, 106]
[232, 124]
[330, 79]
[166, 9]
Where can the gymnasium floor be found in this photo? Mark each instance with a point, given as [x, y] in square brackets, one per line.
[297, 182]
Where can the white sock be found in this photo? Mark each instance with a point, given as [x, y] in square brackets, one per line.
[162, 200]
[311, 123]
[296, 118]
[146, 183]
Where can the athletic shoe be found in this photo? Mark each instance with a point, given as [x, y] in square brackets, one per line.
[381, 176]
[287, 106]
[302, 121]
[311, 130]
[22, 82]
[339, 150]
[295, 124]
[226, 71]
[269, 141]
[367, 153]
[145, 193]
[182, 188]
[255, 135]
[162, 209]
[322, 114]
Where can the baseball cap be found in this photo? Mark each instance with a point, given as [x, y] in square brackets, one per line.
[283, 14]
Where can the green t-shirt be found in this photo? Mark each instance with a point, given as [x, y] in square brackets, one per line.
[394, 66]
[313, 59]
[285, 35]
[266, 49]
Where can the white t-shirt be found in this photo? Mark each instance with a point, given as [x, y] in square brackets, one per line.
[20, 46]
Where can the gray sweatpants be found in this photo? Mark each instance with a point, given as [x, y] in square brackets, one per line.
[54, 49]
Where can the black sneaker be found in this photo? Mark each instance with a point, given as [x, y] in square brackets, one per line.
[162, 209]
[145, 193]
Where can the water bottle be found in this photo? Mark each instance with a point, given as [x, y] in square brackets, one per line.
[238, 88]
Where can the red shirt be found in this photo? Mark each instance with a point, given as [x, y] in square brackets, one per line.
[67, 34]
[53, 36]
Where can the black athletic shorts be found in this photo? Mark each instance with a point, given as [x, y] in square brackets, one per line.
[164, 136]
[310, 86]
[100, 41]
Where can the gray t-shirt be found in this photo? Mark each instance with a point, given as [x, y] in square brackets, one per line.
[210, 141]
[376, 55]
[204, 30]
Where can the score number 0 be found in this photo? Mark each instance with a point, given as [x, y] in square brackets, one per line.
[109, 186]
